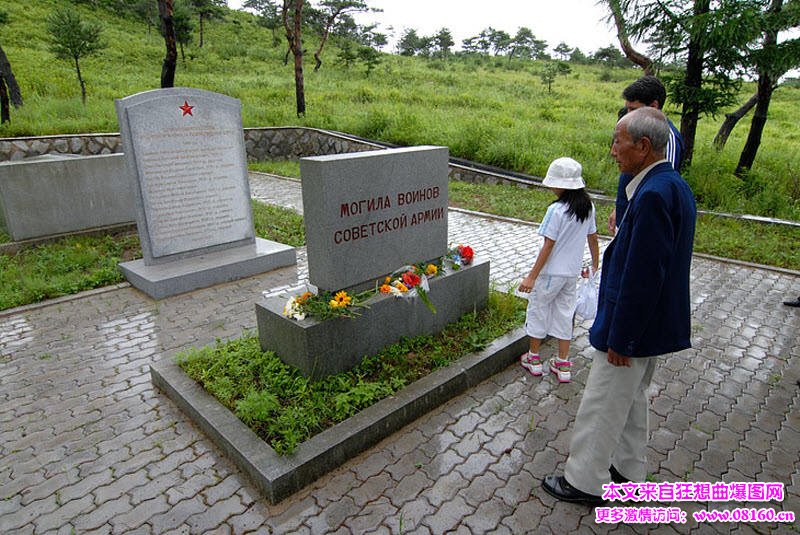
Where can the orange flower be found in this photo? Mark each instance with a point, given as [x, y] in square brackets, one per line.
[400, 286]
[304, 297]
[385, 289]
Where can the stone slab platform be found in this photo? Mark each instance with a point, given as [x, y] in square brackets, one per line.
[276, 476]
[321, 348]
[187, 274]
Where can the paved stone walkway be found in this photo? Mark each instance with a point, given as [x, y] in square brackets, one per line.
[88, 446]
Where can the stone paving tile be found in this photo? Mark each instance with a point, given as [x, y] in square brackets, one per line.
[88, 446]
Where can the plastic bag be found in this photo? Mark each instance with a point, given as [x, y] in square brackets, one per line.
[586, 303]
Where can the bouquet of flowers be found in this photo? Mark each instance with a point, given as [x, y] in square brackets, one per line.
[459, 256]
[408, 281]
[324, 305]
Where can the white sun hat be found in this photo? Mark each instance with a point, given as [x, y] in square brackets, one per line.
[564, 173]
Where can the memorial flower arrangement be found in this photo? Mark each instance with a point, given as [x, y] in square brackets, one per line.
[411, 281]
[460, 255]
[325, 305]
[407, 282]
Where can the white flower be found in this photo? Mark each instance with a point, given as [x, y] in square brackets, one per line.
[292, 310]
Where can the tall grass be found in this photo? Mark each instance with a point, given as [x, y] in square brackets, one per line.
[487, 110]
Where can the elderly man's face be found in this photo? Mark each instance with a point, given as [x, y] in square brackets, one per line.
[630, 156]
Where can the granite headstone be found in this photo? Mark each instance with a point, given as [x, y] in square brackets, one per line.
[368, 213]
[185, 152]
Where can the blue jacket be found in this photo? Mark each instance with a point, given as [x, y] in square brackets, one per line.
[674, 153]
[643, 304]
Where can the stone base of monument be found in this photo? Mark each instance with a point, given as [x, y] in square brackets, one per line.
[321, 348]
[201, 271]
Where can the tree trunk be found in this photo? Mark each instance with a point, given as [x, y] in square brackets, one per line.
[11, 82]
[171, 57]
[298, 59]
[693, 82]
[624, 42]
[5, 107]
[766, 85]
[748, 156]
[288, 30]
[325, 34]
[731, 119]
[80, 81]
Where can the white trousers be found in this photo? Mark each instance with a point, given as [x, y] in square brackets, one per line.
[611, 426]
[551, 305]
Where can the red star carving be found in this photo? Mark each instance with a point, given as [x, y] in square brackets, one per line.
[186, 109]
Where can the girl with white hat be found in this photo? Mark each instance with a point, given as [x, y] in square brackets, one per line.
[569, 221]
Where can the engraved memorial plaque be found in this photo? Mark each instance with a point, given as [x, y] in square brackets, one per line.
[188, 156]
[185, 154]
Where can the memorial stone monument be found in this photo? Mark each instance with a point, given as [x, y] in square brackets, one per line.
[366, 215]
[61, 193]
[184, 149]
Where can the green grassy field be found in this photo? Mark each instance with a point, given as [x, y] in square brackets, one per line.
[489, 111]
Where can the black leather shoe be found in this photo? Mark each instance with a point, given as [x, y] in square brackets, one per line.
[559, 487]
[795, 303]
[616, 477]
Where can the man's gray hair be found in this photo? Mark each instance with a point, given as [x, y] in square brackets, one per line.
[650, 123]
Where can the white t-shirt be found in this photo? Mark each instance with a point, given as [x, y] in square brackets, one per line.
[566, 258]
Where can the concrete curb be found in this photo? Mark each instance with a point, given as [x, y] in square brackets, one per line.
[277, 477]
[22, 309]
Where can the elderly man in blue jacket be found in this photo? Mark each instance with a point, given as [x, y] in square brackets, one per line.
[643, 312]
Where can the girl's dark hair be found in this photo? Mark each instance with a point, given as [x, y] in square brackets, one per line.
[578, 203]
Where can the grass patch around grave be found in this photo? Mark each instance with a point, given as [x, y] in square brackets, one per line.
[73, 264]
[285, 168]
[285, 409]
[278, 224]
[66, 266]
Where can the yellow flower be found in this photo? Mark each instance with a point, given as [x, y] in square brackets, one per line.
[400, 286]
[341, 300]
[431, 270]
